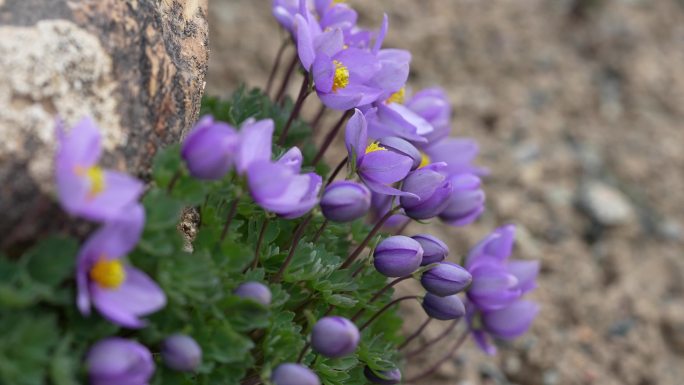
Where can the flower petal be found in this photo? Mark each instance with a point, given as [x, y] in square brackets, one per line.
[255, 143]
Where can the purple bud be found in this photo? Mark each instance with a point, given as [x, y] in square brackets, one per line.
[334, 337]
[512, 321]
[345, 201]
[432, 189]
[385, 377]
[209, 149]
[401, 146]
[447, 278]
[181, 352]
[434, 250]
[294, 374]
[443, 308]
[119, 361]
[397, 256]
[466, 202]
[255, 291]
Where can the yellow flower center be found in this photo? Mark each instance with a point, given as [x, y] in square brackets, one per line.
[338, 1]
[397, 97]
[375, 146]
[424, 160]
[109, 274]
[96, 176]
[341, 78]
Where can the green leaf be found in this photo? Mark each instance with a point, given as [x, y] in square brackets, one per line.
[53, 260]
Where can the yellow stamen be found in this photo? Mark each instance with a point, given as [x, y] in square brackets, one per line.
[375, 146]
[96, 177]
[424, 160]
[109, 274]
[341, 78]
[338, 1]
[397, 97]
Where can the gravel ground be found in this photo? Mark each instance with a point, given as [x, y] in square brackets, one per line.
[578, 107]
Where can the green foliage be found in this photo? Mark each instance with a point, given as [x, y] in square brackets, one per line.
[45, 337]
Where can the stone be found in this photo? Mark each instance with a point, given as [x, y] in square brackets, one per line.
[605, 204]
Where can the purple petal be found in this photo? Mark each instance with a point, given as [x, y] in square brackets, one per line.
[82, 146]
[384, 189]
[338, 16]
[120, 191]
[483, 343]
[458, 153]
[329, 43]
[384, 166]
[356, 135]
[512, 321]
[255, 143]
[268, 180]
[292, 159]
[394, 71]
[381, 34]
[323, 71]
[340, 101]
[362, 65]
[526, 272]
[305, 42]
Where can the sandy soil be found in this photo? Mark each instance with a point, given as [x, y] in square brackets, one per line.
[578, 106]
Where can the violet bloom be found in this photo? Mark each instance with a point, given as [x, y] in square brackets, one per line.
[120, 292]
[447, 278]
[209, 149]
[335, 15]
[395, 119]
[466, 202]
[294, 374]
[507, 323]
[255, 291]
[85, 189]
[397, 256]
[116, 360]
[394, 66]
[345, 201]
[284, 12]
[255, 143]
[434, 250]
[384, 377]
[334, 337]
[431, 190]
[181, 352]
[457, 153]
[433, 106]
[377, 167]
[443, 308]
[401, 146]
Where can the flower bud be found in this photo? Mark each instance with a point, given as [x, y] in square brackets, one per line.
[345, 201]
[385, 377]
[401, 146]
[181, 352]
[512, 321]
[443, 308]
[255, 291]
[434, 250]
[334, 337]
[447, 278]
[397, 256]
[432, 191]
[117, 360]
[294, 374]
[466, 202]
[209, 149]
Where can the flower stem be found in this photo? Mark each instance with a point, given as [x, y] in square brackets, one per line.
[389, 305]
[330, 137]
[316, 120]
[276, 65]
[379, 293]
[173, 181]
[303, 352]
[295, 241]
[433, 341]
[229, 217]
[286, 80]
[415, 334]
[337, 170]
[320, 231]
[303, 93]
[352, 257]
[255, 261]
[439, 363]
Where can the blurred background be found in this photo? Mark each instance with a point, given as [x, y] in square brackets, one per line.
[578, 108]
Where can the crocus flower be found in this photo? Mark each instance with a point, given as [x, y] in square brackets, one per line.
[181, 352]
[433, 106]
[466, 202]
[377, 167]
[254, 290]
[447, 278]
[443, 308]
[85, 189]
[294, 374]
[345, 201]
[255, 143]
[397, 256]
[209, 149]
[431, 191]
[117, 360]
[434, 250]
[334, 337]
[385, 377]
[120, 292]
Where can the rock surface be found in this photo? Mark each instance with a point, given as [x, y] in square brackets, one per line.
[137, 67]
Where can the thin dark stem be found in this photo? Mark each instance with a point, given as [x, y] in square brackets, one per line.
[303, 352]
[303, 93]
[229, 217]
[317, 119]
[389, 305]
[320, 231]
[286, 80]
[403, 227]
[352, 257]
[415, 334]
[337, 170]
[439, 363]
[276, 65]
[330, 137]
[173, 181]
[295, 241]
[379, 293]
[433, 341]
[255, 261]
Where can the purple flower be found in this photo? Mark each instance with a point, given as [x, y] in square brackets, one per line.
[285, 11]
[431, 190]
[255, 143]
[377, 167]
[334, 15]
[114, 361]
[433, 106]
[447, 278]
[385, 377]
[466, 202]
[397, 256]
[381, 204]
[395, 119]
[345, 201]
[85, 189]
[209, 149]
[334, 337]
[401, 146]
[505, 323]
[443, 308]
[256, 291]
[294, 374]
[434, 250]
[457, 153]
[181, 352]
[394, 65]
[120, 292]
